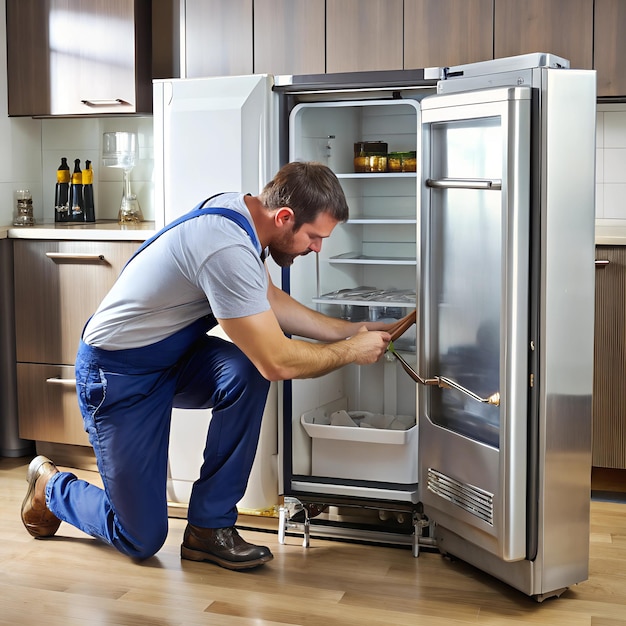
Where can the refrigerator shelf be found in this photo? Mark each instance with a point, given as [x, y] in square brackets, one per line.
[382, 219]
[405, 304]
[364, 259]
[377, 175]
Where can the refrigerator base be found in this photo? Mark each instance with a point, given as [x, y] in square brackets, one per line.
[523, 575]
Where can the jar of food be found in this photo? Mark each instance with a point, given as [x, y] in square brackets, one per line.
[402, 161]
[370, 156]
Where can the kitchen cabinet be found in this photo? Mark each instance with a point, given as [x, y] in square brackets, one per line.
[218, 38]
[609, 392]
[441, 33]
[562, 27]
[289, 36]
[364, 35]
[609, 51]
[58, 285]
[71, 57]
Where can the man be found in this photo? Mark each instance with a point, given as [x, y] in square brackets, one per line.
[146, 349]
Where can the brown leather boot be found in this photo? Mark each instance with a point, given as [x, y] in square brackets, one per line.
[223, 546]
[38, 520]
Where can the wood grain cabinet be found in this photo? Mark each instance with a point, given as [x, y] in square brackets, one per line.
[609, 390]
[71, 57]
[218, 38]
[562, 27]
[364, 35]
[289, 36]
[609, 58]
[442, 33]
[58, 285]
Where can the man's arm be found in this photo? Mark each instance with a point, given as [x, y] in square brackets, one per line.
[296, 319]
[277, 357]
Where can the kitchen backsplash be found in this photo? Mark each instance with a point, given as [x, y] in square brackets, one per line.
[611, 162]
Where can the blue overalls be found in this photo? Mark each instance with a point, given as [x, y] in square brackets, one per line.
[126, 398]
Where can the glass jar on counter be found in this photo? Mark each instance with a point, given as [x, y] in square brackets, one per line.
[24, 208]
[370, 156]
[402, 161]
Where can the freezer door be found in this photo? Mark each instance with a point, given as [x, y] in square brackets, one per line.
[474, 305]
[211, 135]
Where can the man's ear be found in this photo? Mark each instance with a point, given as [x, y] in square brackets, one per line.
[283, 216]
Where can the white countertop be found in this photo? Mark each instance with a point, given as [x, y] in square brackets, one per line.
[608, 232]
[99, 231]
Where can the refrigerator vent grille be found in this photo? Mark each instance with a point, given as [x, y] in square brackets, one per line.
[471, 499]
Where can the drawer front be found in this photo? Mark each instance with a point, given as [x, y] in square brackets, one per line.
[48, 407]
[58, 285]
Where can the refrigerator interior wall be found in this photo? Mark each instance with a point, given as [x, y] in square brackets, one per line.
[366, 270]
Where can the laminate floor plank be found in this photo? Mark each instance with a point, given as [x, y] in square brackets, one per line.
[73, 580]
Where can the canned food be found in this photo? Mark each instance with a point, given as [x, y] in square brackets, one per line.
[370, 156]
[402, 161]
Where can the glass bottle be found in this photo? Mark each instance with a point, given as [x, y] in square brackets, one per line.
[88, 203]
[76, 194]
[62, 193]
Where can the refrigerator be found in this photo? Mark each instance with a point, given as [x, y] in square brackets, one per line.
[472, 436]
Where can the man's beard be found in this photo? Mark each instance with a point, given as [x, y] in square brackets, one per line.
[279, 253]
[284, 259]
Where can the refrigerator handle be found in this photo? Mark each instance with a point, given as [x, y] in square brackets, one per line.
[445, 383]
[464, 183]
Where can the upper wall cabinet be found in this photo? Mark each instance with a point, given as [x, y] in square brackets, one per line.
[364, 35]
[217, 38]
[609, 57]
[562, 27]
[289, 36]
[442, 33]
[76, 57]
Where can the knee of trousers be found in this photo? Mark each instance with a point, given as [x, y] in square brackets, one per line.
[246, 377]
[150, 541]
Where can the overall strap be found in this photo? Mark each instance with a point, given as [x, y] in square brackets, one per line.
[230, 214]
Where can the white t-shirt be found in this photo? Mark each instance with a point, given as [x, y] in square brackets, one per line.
[207, 264]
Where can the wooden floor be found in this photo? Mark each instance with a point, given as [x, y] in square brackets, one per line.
[73, 579]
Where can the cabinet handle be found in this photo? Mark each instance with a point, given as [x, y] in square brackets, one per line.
[106, 103]
[65, 382]
[64, 256]
[464, 183]
[601, 263]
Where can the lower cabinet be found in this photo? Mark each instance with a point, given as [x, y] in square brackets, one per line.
[58, 285]
[609, 391]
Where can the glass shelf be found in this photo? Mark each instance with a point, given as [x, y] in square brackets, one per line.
[364, 259]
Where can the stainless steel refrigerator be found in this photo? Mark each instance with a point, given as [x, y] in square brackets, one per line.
[481, 450]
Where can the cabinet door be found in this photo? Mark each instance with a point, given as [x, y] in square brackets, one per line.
[561, 27]
[441, 33]
[289, 36]
[609, 51]
[68, 57]
[58, 285]
[48, 407]
[364, 35]
[218, 38]
[609, 392]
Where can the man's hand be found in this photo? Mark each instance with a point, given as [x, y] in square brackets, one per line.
[369, 345]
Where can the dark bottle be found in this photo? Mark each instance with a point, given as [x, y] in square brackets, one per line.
[62, 193]
[88, 204]
[77, 214]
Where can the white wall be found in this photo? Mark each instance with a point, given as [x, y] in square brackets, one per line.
[611, 162]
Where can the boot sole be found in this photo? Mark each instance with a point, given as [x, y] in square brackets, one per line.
[197, 555]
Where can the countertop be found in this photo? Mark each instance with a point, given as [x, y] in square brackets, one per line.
[105, 230]
[608, 232]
